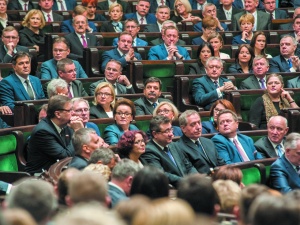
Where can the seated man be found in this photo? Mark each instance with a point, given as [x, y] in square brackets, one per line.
[270, 7]
[64, 5]
[123, 53]
[132, 27]
[85, 142]
[113, 75]
[232, 146]
[272, 145]
[67, 71]
[169, 50]
[142, 14]
[227, 10]
[160, 152]
[56, 87]
[162, 14]
[51, 138]
[104, 5]
[152, 90]
[284, 175]
[208, 89]
[20, 86]
[60, 50]
[289, 26]
[46, 8]
[67, 25]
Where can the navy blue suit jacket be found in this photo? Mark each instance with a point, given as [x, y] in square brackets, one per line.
[208, 127]
[283, 176]
[229, 152]
[11, 90]
[139, 42]
[116, 195]
[69, 3]
[198, 27]
[67, 26]
[194, 3]
[278, 64]
[237, 40]
[159, 52]
[149, 17]
[49, 70]
[114, 54]
[204, 91]
[5, 58]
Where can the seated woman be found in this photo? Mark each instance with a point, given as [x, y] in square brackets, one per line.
[115, 13]
[246, 23]
[91, 6]
[209, 26]
[132, 145]
[210, 126]
[270, 104]
[204, 52]
[259, 44]
[182, 11]
[243, 60]
[124, 113]
[104, 100]
[216, 41]
[32, 35]
[169, 110]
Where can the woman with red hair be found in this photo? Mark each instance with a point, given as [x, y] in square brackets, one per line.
[91, 6]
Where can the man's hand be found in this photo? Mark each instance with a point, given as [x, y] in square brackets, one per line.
[76, 123]
[10, 48]
[5, 110]
[122, 79]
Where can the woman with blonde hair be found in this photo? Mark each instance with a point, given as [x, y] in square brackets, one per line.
[246, 23]
[104, 100]
[182, 11]
[32, 35]
[115, 13]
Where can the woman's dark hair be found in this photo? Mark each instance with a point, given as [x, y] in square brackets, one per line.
[151, 182]
[207, 44]
[250, 49]
[253, 40]
[126, 142]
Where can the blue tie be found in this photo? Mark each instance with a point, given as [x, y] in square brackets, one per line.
[216, 84]
[166, 150]
[154, 105]
[279, 150]
[290, 63]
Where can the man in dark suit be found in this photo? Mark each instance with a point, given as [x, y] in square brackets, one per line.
[123, 53]
[233, 147]
[46, 8]
[166, 24]
[20, 5]
[67, 26]
[121, 179]
[67, 71]
[85, 142]
[142, 14]
[296, 28]
[80, 39]
[154, 4]
[60, 50]
[272, 144]
[260, 68]
[270, 7]
[199, 4]
[287, 61]
[289, 26]
[169, 50]
[161, 153]
[113, 75]
[162, 14]
[54, 87]
[51, 139]
[20, 85]
[262, 20]
[201, 151]
[64, 5]
[6, 18]
[284, 175]
[103, 5]
[227, 10]
[152, 90]
[208, 89]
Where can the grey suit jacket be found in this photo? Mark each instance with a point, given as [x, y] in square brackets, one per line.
[143, 107]
[263, 21]
[293, 83]
[152, 28]
[264, 146]
[121, 88]
[250, 83]
[5, 58]
[78, 89]
[96, 111]
[116, 195]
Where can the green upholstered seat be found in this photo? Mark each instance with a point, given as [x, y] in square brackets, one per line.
[8, 160]
[251, 176]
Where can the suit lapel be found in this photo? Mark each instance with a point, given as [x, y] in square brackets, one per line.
[20, 87]
[255, 82]
[76, 39]
[148, 106]
[75, 89]
[176, 158]
[284, 63]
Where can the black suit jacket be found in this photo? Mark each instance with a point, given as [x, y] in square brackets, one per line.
[46, 146]
[156, 157]
[197, 157]
[76, 47]
[5, 58]
[265, 147]
[15, 5]
[153, 5]
[121, 88]
[96, 111]
[143, 107]
[250, 83]
[108, 27]
[104, 6]
[221, 14]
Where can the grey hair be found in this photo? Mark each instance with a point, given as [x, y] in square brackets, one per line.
[291, 141]
[183, 117]
[124, 169]
[53, 84]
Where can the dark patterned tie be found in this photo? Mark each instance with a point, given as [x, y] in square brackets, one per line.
[29, 90]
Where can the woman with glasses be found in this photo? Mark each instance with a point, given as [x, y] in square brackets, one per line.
[210, 126]
[123, 113]
[132, 145]
[104, 100]
[183, 11]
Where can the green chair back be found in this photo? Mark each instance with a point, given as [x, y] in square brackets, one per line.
[251, 176]
[8, 160]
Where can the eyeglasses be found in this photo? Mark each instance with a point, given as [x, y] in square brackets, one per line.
[167, 131]
[82, 110]
[11, 37]
[66, 110]
[123, 114]
[103, 94]
[210, 29]
[139, 142]
[165, 111]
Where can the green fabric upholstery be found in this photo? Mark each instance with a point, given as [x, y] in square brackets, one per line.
[246, 102]
[8, 160]
[143, 125]
[251, 176]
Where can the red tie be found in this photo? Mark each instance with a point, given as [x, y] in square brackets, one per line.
[142, 20]
[69, 91]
